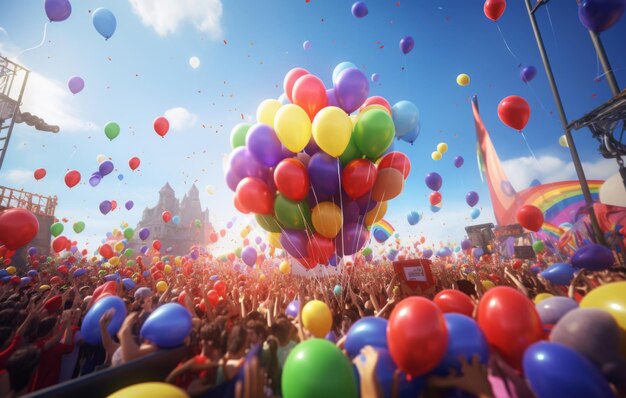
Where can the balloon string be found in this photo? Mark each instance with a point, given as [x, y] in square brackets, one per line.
[532, 90]
[43, 40]
[556, 44]
[528, 146]
[507, 44]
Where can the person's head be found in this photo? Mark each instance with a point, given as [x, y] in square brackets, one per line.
[282, 330]
[21, 367]
[46, 327]
[256, 332]
[349, 317]
[237, 340]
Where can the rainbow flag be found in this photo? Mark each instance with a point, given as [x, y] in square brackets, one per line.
[382, 230]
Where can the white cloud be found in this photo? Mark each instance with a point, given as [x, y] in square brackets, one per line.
[165, 16]
[180, 118]
[521, 171]
[17, 176]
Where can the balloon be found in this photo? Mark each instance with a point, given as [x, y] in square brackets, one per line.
[76, 84]
[358, 177]
[598, 15]
[433, 181]
[556, 370]
[293, 215]
[436, 155]
[161, 126]
[528, 73]
[376, 102]
[168, 326]
[243, 164]
[510, 322]
[413, 218]
[263, 145]
[327, 219]
[129, 205]
[266, 111]
[291, 179]
[290, 80]
[352, 152]
[458, 161]
[144, 233]
[514, 112]
[95, 179]
[316, 318]
[72, 178]
[316, 368]
[306, 45]
[310, 94]
[156, 245]
[369, 330]
[462, 80]
[454, 301]
[406, 44]
[359, 9]
[285, 268]
[268, 222]
[612, 192]
[552, 309]
[292, 309]
[105, 168]
[471, 198]
[249, 255]
[90, 328]
[405, 117]
[323, 171]
[374, 133]
[166, 216]
[389, 184]
[239, 132]
[111, 130]
[593, 257]
[56, 229]
[351, 89]
[129, 233]
[434, 198]
[431, 337]
[332, 129]
[134, 162]
[396, 160]
[150, 389]
[530, 217]
[254, 195]
[465, 339]
[105, 207]
[104, 21]
[539, 246]
[194, 62]
[340, 68]
[610, 297]
[558, 274]
[494, 9]
[39, 173]
[19, 226]
[474, 213]
[411, 136]
[57, 10]
[293, 127]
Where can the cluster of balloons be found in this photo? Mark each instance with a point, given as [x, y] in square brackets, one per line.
[442, 148]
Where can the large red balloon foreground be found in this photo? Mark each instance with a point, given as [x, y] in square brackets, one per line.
[417, 335]
[510, 323]
[454, 301]
[514, 112]
[17, 228]
[494, 9]
[161, 126]
[530, 217]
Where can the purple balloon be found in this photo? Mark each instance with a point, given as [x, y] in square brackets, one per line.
[76, 84]
[105, 207]
[406, 44]
[32, 251]
[32, 273]
[262, 246]
[243, 164]
[232, 180]
[295, 243]
[129, 205]
[258, 240]
[105, 168]
[248, 255]
[144, 250]
[264, 145]
[286, 153]
[528, 73]
[593, 257]
[79, 272]
[458, 161]
[350, 210]
[466, 244]
[229, 225]
[552, 309]
[312, 148]
[351, 239]
[144, 233]
[293, 308]
[57, 10]
[95, 179]
[599, 15]
[352, 89]
[471, 198]
[332, 100]
[194, 254]
[359, 9]
[366, 203]
[324, 174]
[433, 181]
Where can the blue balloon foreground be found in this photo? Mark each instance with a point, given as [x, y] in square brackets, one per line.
[168, 326]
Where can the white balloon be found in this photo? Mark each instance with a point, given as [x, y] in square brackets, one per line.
[613, 192]
[563, 141]
[210, 189]
[194, 62]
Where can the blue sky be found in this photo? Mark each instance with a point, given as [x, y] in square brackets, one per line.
[245, 49]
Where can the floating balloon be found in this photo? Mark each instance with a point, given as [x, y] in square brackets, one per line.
[57, 10]
[316, 318]
[194, 62]
[436, 155]
[161, 126]
[104, 21]
[76, 84]
[39, 173]
[351, 89]
[359, 9]
[144, 233]
[413, 218]
[375, 77]
[306, 45]
[552, 309]
[293, 127]
[19, 226]
[134, 162]
[249, 255]
[458, 161]
[528, 73]
[90, 328]
[530, 217]
[433, 181]
[494, 9]
[168, 326]
[514, 111]
[463, 80]
[56, 229]
[405, 117]
[366, 331]
[593, 257]
[72, 178]
[105, 168]
[111, 130]
[471, 198]
[105, 206]
[406, 44]
[434, 198]
[599, 15]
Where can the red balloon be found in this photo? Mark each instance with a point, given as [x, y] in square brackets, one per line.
[40, 173]
[105, 251]
[62, 269]
[494, 9]
[310, 94]
[376, 100]
[159, 265]
[72, 178]
[517, 264]
[213, 297]
[220, 287]
[255, 196]
[107, 288]
[320, 249]
[291, 179]
[435, 198]
[222, 233]
[182, 297]
[231, 258]
[166, 216]
[510, 323]
[290, 80]
[17, 228]
[156, 245]
[417, 323]
[396, 160]
[239, 206]
[59, 244]
[530, 217]
[454, 301]
[358, 177]
[134, 162]
[161, 126]
[113, 205]
[246, 242]
[514, 112]
[213, 237]
[307, 262]
[55, 280]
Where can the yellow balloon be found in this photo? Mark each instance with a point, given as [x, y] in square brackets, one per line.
[436, 155]
[442, 147]
[114, 261]
[542, 296]
[376, 214]
[463, 80]
[293, 127]
[178, 260]
[285, 267]
[487, 284]
[11, 270]
[612, 299]
[374, 106]
[94, 259]
[119, 247]
[332, 128]
[317, 318]
[262, 277]
[44, 287]
[101, 158]
[266, 111]
[155, 259]
[273, 238]
[327, 219]
[161, 286]
[563, 141]
[244, 232]
[151, 389]
[210, 189]
[167, 268]
[116, 231]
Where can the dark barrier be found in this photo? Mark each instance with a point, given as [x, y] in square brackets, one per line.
[153, 367]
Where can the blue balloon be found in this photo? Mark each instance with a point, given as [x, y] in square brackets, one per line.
[427, 253]
[293, 308]
[168, 326]
[405, 117]
[333, 260]
[6, 279]
[475, 213]
[128, 283]
[32, 273]
[120, 177]
[176, 220]
[112, 277]
[104, 21]
[385, 369]
[370, 330]
[413, 218]
[559, 274]
[555, 370]
[535, 183]
[331, 336]
[214, 278]
[444, 252]
[412, 135]
[435, 209]
[90, 328]
[340, 68]
[338, 290]
[478, 252]
[79, 272]
[25, 280]
[552, 309]
[535, 269]
[464, 339]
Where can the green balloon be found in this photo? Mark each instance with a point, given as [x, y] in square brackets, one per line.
[268, 222]
[111, 130]
[351, 152]
[129, 233]
[238, 252]
[197, 223]
[316, 368]
[79, 227]
[293, 215]
[128, 253]
[56, 229]
[373, 133]
[539, 246]
[130, 263]
[238, 135]
[366, 252]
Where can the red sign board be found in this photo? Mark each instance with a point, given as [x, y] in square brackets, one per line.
[416, 275]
